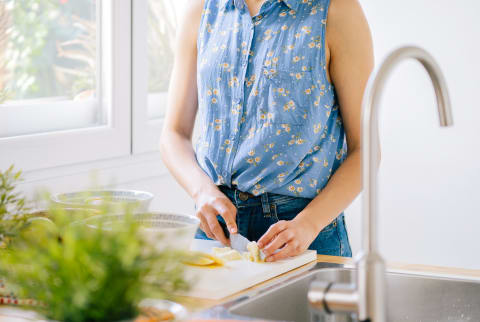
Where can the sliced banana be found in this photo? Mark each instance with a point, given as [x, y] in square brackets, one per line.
[220, 250]
[226, 253]
[231, 255]
[247, 256]
[254, 252]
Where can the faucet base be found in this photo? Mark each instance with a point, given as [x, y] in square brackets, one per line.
[371, 288]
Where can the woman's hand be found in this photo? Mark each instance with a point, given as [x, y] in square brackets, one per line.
[290, 237]
[211, 202]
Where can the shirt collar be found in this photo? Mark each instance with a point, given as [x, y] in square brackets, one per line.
[292, 4]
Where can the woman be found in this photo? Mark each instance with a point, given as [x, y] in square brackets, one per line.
[278, 84]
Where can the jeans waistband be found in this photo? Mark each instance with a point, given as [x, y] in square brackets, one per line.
[267, 200]
[241, 198]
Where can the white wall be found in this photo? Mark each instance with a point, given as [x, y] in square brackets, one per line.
[428, 206]
[429, 210]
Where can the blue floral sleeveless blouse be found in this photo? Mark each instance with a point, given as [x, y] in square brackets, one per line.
[270, 118]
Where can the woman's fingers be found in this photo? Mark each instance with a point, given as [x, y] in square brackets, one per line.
[209, 224]
[278, 242]
[229, 213]
[210, 204]
[216, 230]
[287, 251]
[271, 233]
[205, 228]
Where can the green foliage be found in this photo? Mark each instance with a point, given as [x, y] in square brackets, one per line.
[3, 96]
[12, 204]
[50, 47]
[82, 273]
[47, 40]
[4, 25]
[161, 34]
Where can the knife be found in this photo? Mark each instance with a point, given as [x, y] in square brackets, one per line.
[237, 241]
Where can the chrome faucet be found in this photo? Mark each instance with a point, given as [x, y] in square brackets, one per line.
[367, 298]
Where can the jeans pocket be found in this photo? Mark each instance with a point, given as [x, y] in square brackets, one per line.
[346, 250]
[327, 242]
[331, 226]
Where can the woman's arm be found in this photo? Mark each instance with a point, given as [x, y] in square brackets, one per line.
[176, 139]
[350, 56]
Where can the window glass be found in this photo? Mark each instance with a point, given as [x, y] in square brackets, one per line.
[49, 66]
[162, 23]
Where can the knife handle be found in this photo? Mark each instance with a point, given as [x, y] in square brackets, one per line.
[224, 226]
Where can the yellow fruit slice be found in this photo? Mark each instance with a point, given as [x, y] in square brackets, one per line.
[196, 258]
[199, 261]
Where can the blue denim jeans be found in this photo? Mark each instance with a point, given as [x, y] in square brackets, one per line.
[255, 214]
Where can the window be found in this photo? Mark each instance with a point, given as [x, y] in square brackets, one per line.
[49, 77]
[84, 79]
[162, 23]
[153, 42]
[65, 81]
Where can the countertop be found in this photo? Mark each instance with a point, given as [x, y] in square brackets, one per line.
[196, 304]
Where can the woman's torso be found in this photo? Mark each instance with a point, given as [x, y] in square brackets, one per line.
[270, 117]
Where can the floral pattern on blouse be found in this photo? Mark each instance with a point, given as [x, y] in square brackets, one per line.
[269, 116]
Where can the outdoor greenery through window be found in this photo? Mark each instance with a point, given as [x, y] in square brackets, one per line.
[50, 66]
[66, 70]
[48, 50]
[162, 23]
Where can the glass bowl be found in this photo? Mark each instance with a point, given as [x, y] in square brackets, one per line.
[139, 200]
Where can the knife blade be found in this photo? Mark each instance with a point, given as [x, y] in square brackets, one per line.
[237, 241]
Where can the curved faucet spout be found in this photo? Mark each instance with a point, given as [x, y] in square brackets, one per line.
[370, 144]
[368, 298]
[371, 272]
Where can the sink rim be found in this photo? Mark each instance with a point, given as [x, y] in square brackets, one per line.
[224, 310]
[328, 267]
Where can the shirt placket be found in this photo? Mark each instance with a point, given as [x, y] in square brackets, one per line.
[246, 33]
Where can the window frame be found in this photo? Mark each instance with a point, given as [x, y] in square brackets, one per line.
[51, 149]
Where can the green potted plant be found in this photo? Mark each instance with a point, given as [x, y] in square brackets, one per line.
[13, 207]
[77, 272]
[80, 273]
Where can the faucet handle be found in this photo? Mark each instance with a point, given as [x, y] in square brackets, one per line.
[332, 297]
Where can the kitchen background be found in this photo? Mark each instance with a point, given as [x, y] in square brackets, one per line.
[429, 209]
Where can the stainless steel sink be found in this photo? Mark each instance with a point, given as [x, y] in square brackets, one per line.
[409, 298]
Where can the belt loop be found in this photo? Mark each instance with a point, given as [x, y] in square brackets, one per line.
[235, 194]
[265, 203]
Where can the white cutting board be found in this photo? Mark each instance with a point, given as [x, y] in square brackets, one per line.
[235, 276]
